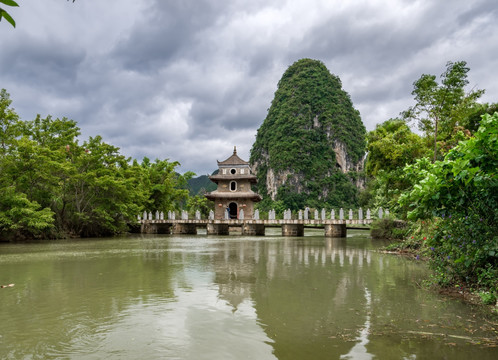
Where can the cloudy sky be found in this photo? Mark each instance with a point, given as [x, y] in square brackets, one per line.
[187, 80]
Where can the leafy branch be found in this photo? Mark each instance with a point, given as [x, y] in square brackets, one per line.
[5, 14]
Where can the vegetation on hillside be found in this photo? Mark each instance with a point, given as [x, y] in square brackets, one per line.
[201, 185]
[310, 111]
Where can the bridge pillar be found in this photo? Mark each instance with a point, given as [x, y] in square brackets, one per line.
[160, 228]
[335, 230]
[253, 229]
[217, 229]
[184, 229]
[292, 230]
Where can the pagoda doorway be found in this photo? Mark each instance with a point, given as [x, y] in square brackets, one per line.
[234, 214]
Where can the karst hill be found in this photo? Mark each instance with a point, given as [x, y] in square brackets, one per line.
[309, 151]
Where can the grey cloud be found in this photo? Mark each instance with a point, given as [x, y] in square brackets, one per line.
[167, 30]
[187, 80]
[47, 63]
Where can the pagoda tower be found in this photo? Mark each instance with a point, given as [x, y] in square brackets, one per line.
[234, 193]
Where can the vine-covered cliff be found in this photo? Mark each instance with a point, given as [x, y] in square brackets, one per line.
[310, 148]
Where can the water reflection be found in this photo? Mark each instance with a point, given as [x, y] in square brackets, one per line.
[359, 351]
[223, 297]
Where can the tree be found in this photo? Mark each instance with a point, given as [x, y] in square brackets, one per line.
[440, 107]
[52, 186]
[9, 122]
[20, 217]
[390, 147]
[164, 188]
[5, 14]
[461, 191]
[201, 203]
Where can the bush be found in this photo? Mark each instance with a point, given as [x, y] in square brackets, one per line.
[389, 229]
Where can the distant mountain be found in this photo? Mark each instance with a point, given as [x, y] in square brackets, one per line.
[201, 185]
[310, 149]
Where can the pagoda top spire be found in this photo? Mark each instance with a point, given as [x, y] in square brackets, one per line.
[233, 160]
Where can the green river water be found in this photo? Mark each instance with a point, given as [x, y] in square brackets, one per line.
[232, 297]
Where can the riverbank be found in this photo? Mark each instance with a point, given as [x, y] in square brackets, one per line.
[461, 290]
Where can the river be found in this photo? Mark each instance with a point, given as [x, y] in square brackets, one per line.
[232, 297]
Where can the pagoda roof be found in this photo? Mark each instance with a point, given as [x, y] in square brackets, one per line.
[213, 195]
[219, 177]
[233, 160]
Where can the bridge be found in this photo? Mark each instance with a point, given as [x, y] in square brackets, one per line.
[255, 226]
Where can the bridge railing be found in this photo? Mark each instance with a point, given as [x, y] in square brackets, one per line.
[306, 214]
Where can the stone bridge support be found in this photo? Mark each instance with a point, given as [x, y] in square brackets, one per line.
[159, 228]
[253, 229]
[185, 229]
[292, 230]
[217, 229]
[335, 230]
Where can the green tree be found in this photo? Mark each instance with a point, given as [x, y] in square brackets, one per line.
[201, 203]
[101, 199]
[21, 218]
[165, 189]
[390, 147]
[9, 122]
[4, 14]
[51, 185]
[473, 120]
[462, 192]
[441, 107]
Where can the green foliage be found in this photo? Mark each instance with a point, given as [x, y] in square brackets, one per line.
[309, 112]
[487, 298]
[164, 188]
[391, 146]
[441, 107]
[21, 218]
[473, 120]
[201, 203]
[4, 14]
[461, 190]
[389, 229]
[53, 186]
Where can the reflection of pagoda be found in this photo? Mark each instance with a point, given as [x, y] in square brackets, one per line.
[234, 192]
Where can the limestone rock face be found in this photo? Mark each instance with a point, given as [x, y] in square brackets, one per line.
[310, 149]
[344, 161]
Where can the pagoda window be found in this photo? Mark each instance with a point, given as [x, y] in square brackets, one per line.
[233, 171]
[233, 185]
[241, 171]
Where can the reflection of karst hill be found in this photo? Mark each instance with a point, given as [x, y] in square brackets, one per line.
[299, 287]
[239, 267]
